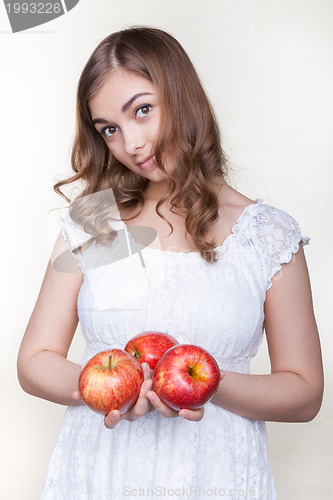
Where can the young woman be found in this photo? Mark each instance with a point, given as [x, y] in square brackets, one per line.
[222, 269]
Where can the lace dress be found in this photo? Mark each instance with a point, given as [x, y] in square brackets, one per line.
[219, 306]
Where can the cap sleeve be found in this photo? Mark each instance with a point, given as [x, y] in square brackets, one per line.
[73, 234]
[276, 236]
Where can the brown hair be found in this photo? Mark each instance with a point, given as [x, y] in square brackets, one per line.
[188, 127]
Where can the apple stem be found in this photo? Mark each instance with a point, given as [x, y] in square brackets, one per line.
[190, 369]
[110, 360]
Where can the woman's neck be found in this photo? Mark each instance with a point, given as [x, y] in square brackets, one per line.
[155, 191]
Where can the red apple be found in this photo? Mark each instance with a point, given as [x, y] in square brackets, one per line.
[186, 376]
[111, 380]
[149, 346]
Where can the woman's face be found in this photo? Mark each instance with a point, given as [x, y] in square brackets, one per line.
[127, 114]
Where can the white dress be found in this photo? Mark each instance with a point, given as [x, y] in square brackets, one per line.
[219, 306]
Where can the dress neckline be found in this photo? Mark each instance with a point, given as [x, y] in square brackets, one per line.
[234, 230]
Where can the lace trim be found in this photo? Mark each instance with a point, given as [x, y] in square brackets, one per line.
[235, 230]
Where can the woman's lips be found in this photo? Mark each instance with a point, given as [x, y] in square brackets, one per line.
[147, 163]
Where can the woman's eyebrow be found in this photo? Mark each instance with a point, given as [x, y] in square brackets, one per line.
[136, 96]
[124, 107]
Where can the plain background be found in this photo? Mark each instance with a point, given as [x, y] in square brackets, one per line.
[267, 67]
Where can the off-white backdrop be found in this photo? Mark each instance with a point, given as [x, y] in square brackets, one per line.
[267, 67]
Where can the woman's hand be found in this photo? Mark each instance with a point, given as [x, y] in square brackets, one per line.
[166, 411]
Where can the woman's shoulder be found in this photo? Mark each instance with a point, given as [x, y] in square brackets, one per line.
[233, 200]
[232, 205]
[239, 208]
[259, 221]
[271, 234]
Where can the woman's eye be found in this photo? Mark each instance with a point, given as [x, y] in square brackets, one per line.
[143, 111]
[109, 131]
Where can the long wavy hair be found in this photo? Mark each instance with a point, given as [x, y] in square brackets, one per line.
[188, 128]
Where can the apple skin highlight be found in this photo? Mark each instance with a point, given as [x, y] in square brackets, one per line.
[111, 380]
[186, 377]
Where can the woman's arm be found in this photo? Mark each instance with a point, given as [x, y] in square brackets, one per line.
[293, 391]
[42, 367]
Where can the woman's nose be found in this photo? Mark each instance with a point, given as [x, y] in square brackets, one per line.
[133, 140]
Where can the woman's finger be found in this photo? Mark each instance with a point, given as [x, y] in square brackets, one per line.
[76, 395]
[141, 407]
[192, 415]
[142, 404]
[112, 419]
[147, 372]
[165, 410]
